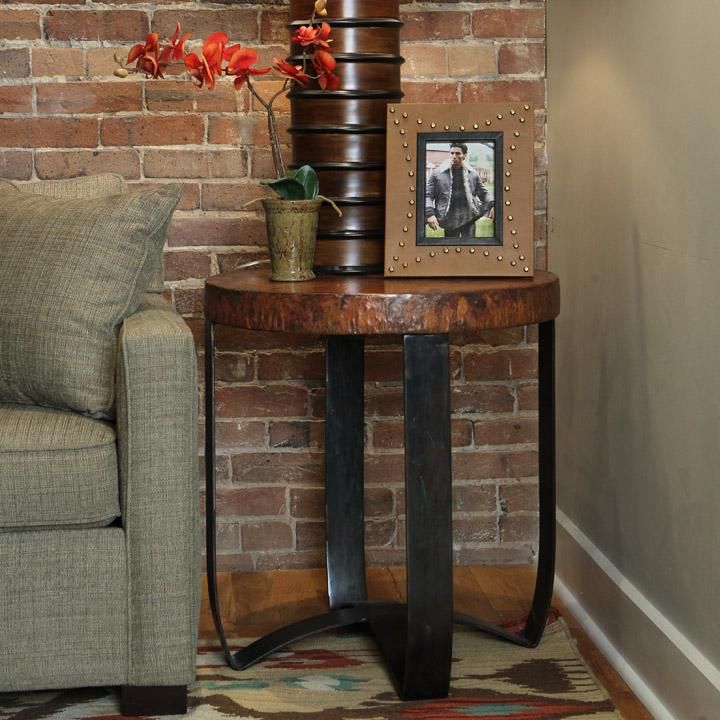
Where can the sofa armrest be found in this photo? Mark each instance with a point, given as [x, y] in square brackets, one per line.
[157, 451]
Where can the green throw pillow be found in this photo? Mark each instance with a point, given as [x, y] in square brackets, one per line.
[70, 272]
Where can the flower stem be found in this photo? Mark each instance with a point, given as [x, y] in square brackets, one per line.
[273, 132]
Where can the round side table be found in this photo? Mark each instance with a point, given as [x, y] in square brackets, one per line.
[416, 637]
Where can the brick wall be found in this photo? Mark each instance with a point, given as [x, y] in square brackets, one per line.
[63, 114]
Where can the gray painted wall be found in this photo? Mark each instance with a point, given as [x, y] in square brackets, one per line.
[634, 203]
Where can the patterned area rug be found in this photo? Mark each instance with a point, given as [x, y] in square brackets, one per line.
[340, 677]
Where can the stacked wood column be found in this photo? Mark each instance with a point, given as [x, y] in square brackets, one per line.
[342, 133]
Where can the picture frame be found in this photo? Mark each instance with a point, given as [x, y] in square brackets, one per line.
[459, 190]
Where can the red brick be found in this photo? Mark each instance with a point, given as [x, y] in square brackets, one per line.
[131, 25]
[431, 92]
[384, 365]
[48, 132]
[505, 91]
[527, 396]
[474, 498]
[385, 468]
[88, 97]
[189, 199]
[238, 23]
[307, 503]
[391, 434]
[244, 130]
[518, 528]
[227, 536]
[493, 555]
[261, 401]
[170, 95]
[383, 402]
[240, 502]
[424, 59]
[291, 366]
[189, 300]
[19, 24]
[277, 467]
[189, 264]
[475, 530]
[520, 58]
[16, 164]
[310, 535]
[509, 22]
[233, 367]
[273, 26]
[500, 365]
[189, 231]
[443, 25]
[379, 532]
[53, 164]
[232, 196]
[472, 59]
[481, 398]
[297, 434]
[505, 431]
[14, 63]
[152, 130]
[379, 502]
[233, 434]
[519, 497]
[15, 99]
[289, 560]
[60, 62]
[223, 98]
[194, 163]
[266, 536]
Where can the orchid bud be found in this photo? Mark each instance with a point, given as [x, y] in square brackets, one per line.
[320, 7]
[120, 72]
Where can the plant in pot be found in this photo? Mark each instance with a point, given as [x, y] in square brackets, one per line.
[292, 217]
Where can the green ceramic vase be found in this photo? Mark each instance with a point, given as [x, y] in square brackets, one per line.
[292, 233]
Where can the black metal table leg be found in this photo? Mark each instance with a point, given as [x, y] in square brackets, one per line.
[210, 494]
[344, 445]
[531, 634]
[419, 650]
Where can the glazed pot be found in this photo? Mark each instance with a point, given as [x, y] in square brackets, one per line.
[292, 233]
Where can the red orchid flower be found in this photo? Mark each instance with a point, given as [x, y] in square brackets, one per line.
[306, 35]
[324, 64]
[147, 56]
[323, 36]
[240, 60]
[206, 66]
[175, 47]
[294, 72]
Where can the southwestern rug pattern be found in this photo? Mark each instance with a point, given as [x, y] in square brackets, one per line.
[341, 677]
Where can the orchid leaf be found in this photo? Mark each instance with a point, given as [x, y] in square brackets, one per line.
[300, 184]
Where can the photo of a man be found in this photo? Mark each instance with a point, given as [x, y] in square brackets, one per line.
[458, 196]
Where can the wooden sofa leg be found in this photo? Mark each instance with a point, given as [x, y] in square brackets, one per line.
[153, 700]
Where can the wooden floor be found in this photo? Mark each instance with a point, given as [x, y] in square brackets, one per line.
[253, 604]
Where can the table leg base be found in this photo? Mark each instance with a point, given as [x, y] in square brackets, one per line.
[386, 621]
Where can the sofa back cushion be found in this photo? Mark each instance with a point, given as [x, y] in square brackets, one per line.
[71, 271]
[87, 187]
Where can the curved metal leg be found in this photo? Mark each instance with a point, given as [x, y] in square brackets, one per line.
[530, 635]
[210, 495]
[344, 445]
[428, 494]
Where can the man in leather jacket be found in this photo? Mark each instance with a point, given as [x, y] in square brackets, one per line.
[455, 197]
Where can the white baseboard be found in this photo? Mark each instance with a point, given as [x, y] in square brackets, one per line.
[669, 675]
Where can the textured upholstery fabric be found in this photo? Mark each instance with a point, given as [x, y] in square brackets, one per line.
[89, 186]
[56, 469]
[156, 425]
[63, 612]
[71, 271]
[116, 605]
